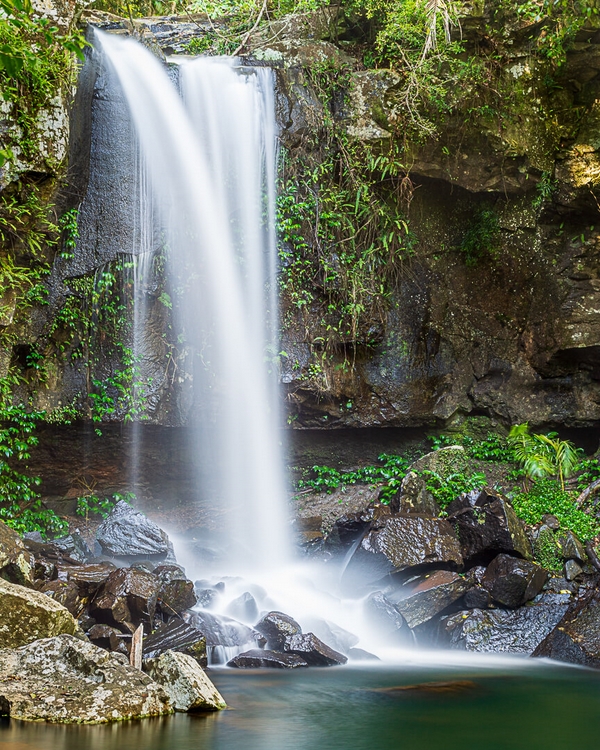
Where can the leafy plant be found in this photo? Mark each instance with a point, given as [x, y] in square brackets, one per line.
[544, 455]
[447, 488]
[547, 496]
[480, 239]
[70, 229]
[90, 505]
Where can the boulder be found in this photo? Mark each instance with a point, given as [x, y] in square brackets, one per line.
[477, 598]
[276, 627]
[67, 680]
[572, 548]
[126, 533]
[26, 615]
[486, 525]
[359, 654]
[419, 600]
[65, 593]
[244, 607]
[185, 682]
[329, 632]
[313, 650]
[512, 581]
[413, 495]
[127, 598]
[176, 592]
[407, 541]
[256, 658]
[572, 570]
[101, 635]
[87, 578]
[388, 621]
[205, 597]
[516, 631]
[74, 546]
[176, 635]
[576, 638]
[16, 562]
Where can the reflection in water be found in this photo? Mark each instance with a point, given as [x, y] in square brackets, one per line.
[541, 707]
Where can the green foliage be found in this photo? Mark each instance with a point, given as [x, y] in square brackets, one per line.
[544, 455]
[20, 504]
[447, 488]
[547, 496]
[92, 505]
[390, 472]
[588, 471]
[481, 238]
[70, 228]
[493, 447]
[546, 550]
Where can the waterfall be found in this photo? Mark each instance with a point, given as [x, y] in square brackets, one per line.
[210, 163]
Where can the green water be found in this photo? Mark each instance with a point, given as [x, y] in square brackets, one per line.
[534, 707]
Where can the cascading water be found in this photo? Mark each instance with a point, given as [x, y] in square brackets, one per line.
[210, 153]
[213, 214]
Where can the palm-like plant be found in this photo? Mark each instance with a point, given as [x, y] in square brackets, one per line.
[543, 455]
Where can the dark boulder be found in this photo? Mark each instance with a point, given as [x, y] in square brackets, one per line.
[276, 627]
[126, 533]
[572, 570]
[421, 599]
[176, 593]
[176, 635]
[87, 578]
[127, 598]
[100, 635]
[477, 598]
[406, 541]
[44, 570]
[65, 593]
[512, 581]
[517, 631]
[313, 650]
[74, 546]
[486, 525]
[576, 638]
[572, 548]
[243, 608]
[258, 659]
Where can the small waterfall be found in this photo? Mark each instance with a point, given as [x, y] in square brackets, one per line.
[210, 162]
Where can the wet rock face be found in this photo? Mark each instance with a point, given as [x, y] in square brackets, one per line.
[276, 627]
[184, 681]
[420, 600]
[406, 541]
[130, 535]
[67, 680]
[413, 496]
[576, 638]
[313, 650]
[176, 593]
[222, 631]
[512, 582]
[487, 524]
[26, 615]
[258, 659]
[126, 599]
[385, 616]
[517, 631]
[176, 636]
[244, 608]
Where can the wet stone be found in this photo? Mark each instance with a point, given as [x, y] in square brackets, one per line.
[176, 635]
[487, 524]
[516, 631]
[359, 654]
[576, 637]
[258, 659]
[205, 596]
[74, 546]
[313, 650]
[572, 548]
[127, 533]
[87, 578]
[477, 598]
[388, 621]
[406, 541]
[572, 570]
[420, 600]
[222, 631]
[176, 592]
[127, 597]
[100, 635]
[276, 627]
[512, 581]
[65, 593]
[16, 562]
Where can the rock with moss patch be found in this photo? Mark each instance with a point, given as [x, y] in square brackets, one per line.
[26, 615]
[70, 681]
[16, 562]
[185, 682]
